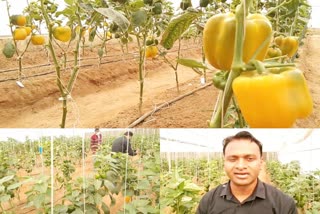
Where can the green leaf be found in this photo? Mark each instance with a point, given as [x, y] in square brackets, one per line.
[14, 186]
[140, 203]
[175, 185]
[109, 185]
[5, 198]
[192, 187]
[68, 11]
[143, 185]
[139, 18]
[41, 187]
[38, 200]
[148, 209]
[129, 192]
[130, 208]
[166, 202]
[77, 211]
[105, 208]
[59, 208]
[176, 28]
[92, 34]
[97, 184]
[68, 2]
[191, 63]
[90, 199]
[75, 193]
[186, 199]
[148, 172]
[97, 198]
[115, 16]
[5, 179]
[136, 5]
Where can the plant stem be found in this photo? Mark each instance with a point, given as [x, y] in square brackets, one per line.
[203, 61]
[176, 67]
[57, 66]
[76, 62]
[240, 118]
[277, 7]
[16, 44]
[237, 65]
[141, 68]
[293, 25]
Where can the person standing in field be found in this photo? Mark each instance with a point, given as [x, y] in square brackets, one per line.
[123, 144]
[245, 193]
[96, 140]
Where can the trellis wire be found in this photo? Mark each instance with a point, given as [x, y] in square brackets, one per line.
[83, 173]
[85, 65]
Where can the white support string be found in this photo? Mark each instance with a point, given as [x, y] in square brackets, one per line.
[169, 161]
[41, 154]
[142, 141]
[125, 179]
[83, 173]
[52, 176]
[209, 169]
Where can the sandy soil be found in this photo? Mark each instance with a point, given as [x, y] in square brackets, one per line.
[109, 95]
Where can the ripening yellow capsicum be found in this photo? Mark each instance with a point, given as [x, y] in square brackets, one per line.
[288, 45]
[271, 100]
[219, 38]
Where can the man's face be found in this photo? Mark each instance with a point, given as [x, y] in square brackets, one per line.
[242, 162]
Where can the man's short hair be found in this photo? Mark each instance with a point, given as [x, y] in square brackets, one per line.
[128, 133]
[241, 135]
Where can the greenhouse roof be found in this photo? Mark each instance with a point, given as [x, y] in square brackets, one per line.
[204, 140]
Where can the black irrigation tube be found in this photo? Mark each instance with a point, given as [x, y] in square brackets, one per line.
[48, 64]
[85, 65]
[50, 72]
[83, 59]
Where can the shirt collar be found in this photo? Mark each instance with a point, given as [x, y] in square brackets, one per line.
[259, 191]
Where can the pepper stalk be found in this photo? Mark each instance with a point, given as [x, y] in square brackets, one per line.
[237, 65]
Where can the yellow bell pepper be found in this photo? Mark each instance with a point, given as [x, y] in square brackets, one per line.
[288, 45]
[219, 38]
[273, 52]
[151, 51]
[271, 100]
[62, 33]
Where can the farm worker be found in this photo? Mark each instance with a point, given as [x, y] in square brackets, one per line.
[245, 193]
[123, 144]
[40, 150]
[96, 140]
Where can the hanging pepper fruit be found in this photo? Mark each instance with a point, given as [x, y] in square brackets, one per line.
[157, 8]
[219, 79]
[219, 38]
[273, 52]
[204, 3]
[271, 100]
[184, 4]
[288, 45]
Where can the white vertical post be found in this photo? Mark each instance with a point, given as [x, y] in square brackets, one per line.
[83, 173]
[52, 176]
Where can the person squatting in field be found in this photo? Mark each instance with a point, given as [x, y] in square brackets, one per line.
[123, 144]
[244, 193]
